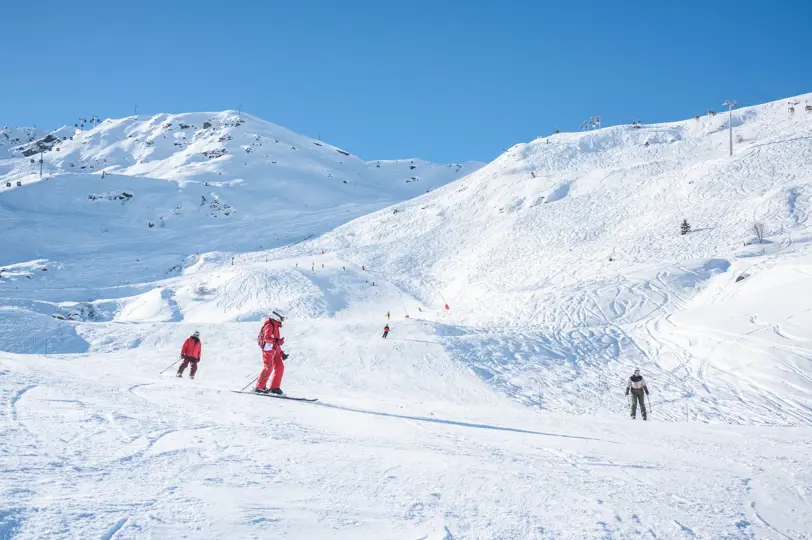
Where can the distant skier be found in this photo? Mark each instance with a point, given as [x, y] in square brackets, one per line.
[385, 331]
[272, 355]
[388, 315]
[190, 353]
[637, 385]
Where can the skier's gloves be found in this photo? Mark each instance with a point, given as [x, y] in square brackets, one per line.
[285, 356]
[280, 341]
[627, 391]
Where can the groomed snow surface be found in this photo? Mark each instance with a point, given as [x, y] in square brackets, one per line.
[501, 417]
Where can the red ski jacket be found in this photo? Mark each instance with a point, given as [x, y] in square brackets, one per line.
[191, 348]
[270, 334]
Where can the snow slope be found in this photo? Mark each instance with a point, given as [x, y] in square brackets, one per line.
[406, 442]
[564, 267]
[501, 417]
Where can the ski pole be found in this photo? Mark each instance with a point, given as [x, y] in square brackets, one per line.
[249, 384]
[173, 363]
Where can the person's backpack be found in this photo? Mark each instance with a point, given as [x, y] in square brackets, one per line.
[261, 336]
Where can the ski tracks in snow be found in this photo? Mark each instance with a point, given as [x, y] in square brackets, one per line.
[14, 399]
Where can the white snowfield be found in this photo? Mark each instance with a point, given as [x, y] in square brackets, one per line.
[563, 268]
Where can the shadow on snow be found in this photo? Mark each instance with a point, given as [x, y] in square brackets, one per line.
[453, 422]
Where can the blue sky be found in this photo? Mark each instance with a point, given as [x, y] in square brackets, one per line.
[445, 80]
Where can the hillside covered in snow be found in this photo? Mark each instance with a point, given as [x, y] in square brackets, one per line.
[564, 264]
[520, 296]
[164, 188]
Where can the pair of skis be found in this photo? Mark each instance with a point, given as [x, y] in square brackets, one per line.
[307, 400]
[277, 396]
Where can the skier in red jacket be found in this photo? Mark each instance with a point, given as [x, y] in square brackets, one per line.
[272, 355]
[191, 354]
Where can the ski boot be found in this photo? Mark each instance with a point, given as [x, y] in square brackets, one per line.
[179, 375]
[261, 390]
[191, 377]
[277, 391]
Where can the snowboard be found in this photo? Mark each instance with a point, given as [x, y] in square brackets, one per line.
[277, 396]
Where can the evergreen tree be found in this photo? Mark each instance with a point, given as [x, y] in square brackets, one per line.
[685, 228]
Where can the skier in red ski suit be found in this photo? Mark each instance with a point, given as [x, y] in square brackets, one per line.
[190, 353]
[272, 355]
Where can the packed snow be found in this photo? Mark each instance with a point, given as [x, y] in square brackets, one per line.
[522, 294]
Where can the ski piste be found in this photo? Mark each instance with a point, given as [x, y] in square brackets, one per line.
[277, 396]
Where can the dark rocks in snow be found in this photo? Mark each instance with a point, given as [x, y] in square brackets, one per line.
[237, 123]
[219, 208]
[340, 151]
[740, 278]
[206, 125]
[150, 224]
[214, 154]
[123, 196]
[184, 126]
[43, 145]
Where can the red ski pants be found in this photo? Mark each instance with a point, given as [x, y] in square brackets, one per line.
[186, 361]
[273, 363]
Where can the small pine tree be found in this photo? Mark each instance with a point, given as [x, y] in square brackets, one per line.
[685, 228]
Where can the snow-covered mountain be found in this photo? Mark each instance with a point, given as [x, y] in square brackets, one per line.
[521, 297]
[218, 147]
[202, 181]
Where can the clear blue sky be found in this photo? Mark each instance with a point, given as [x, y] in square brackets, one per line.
[445, 80]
